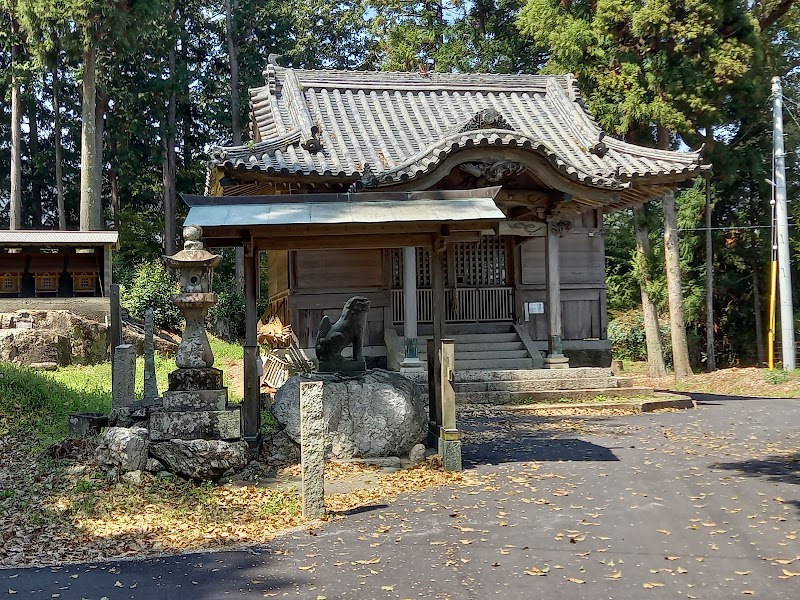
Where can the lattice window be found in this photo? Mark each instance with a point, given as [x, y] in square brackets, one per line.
[8, 283]
[467, 264]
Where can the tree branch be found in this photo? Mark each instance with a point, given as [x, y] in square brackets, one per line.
[768, 19]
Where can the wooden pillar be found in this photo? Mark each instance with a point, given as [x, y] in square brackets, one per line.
[411, 358]
[251, 406]
[434, 348]
[555, 358]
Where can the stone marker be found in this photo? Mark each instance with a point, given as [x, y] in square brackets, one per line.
[150, 384]
[312, 449]
[123, 385]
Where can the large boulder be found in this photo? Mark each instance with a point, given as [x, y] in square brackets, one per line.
[59, 336]
[201, 459]
[378, 413]
[123, 449]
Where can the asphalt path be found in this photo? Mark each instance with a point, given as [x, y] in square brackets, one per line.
[692, 504]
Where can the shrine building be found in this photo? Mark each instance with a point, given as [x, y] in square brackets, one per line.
[478, 196]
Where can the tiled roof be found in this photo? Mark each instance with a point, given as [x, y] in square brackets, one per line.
[400, 126]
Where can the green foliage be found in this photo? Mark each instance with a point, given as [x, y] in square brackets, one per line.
[226, 317]
[775, 376]
[627, 337]
[281, 502]
[152, 286]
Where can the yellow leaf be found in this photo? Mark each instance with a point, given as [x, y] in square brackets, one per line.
[537, 572]
[574, 580]
[648, 585]
[664, 531]
[748, 592]
[614, 575]
[743, 572]
[672, 557]
[790, 573]
[371, 561]
[307, 567]
[465, 542]
[682, 570]
[387, 588]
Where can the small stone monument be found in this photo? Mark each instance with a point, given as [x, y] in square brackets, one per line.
[196, 428]
[150, 384]
[349, 329]
[123, 383]
[312, 449]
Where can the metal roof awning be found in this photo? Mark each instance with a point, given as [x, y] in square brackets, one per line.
[57, 238]
[356, 215]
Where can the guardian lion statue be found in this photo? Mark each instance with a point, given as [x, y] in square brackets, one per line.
[349, 329]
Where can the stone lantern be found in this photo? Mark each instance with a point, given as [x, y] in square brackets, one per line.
[196, 433]
[195, 265]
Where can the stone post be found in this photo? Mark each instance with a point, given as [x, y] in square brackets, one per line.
[150, 384]
[312, 449]
[123, 381]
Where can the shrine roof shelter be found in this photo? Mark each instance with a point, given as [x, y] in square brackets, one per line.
[399, 130]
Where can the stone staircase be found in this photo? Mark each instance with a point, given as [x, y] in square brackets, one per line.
[541, 385]
[496, 346]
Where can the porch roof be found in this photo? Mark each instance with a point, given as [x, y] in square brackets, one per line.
[52, 238]
[384, 129]
[343, 220]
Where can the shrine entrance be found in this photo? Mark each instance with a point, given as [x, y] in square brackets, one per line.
[478, 284]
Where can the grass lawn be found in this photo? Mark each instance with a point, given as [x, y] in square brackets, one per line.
[37, 404]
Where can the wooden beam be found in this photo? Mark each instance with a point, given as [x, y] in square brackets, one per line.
[251, 406]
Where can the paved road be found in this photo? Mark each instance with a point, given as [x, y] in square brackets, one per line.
[694, 504]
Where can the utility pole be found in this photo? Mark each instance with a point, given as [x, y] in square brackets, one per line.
[782, 218]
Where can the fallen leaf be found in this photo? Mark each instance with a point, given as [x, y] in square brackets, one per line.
[790, 573]
[743, 572]
[574, 580]
[615, 575]
[649, 585]
[387, 588]
[664, 531]
[118, 584]
[537, 572]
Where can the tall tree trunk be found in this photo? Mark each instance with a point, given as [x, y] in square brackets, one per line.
[655, 353]
[169, 168]
[672, 266]
[231, 8]
[101, 109]
[677, 323]
[15, 205]
[62, 213]
[759, 317]
[711, 359]
[33, 145]
[89, 193]
[113, 182]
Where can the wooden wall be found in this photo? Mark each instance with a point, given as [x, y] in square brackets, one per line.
[583, 288]
[324, 280]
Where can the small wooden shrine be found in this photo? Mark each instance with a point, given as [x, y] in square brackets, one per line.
[56, 269]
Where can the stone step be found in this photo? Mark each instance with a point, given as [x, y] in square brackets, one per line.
[195, 379]
[196, 424]
[196, 400]
[491, 354]
[474, 346]
[536, 385]
[531, 374]
[493, 363]
[578, 395]
[478, 338]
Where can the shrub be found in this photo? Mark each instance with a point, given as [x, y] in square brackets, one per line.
[226, 317]
[152, 285]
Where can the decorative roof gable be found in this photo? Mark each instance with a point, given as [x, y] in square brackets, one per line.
[382, 128]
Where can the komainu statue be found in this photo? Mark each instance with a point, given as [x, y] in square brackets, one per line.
[333, 338]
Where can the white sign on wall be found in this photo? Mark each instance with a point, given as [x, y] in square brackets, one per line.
[533, 308]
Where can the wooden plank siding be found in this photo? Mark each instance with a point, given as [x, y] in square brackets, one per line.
[583, 289]
[325, 280]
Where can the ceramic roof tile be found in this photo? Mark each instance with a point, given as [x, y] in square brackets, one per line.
[404, 124]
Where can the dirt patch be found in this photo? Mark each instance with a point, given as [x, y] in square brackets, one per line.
[747, 382]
